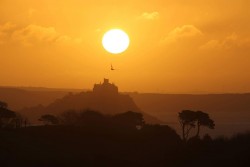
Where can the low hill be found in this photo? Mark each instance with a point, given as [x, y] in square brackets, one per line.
[107, 104]
[104, 98]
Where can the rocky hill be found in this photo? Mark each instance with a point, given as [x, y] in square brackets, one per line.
[104, 98]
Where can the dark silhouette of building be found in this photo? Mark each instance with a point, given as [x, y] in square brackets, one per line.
[105, 88]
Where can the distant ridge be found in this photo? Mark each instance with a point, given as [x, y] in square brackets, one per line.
[18, 98]
[43, 89]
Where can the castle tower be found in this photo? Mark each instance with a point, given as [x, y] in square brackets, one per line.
[105, 88]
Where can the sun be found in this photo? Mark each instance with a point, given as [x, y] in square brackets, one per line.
[115, 41]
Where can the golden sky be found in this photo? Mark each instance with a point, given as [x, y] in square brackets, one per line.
[180, 46]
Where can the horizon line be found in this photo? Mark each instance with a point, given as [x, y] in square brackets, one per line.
[90, 89]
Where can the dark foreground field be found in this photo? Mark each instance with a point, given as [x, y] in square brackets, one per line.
[154, 146]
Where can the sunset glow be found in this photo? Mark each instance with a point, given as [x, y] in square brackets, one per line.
[67, 44]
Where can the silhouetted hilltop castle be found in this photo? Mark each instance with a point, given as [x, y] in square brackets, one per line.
[104, 98]
[105, 88]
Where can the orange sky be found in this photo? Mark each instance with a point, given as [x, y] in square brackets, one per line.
[180, 46]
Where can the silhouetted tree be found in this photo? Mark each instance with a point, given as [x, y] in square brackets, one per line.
[83, 118]
[6, 115]
[49, 119]
[129, 119]
[187, 120]
[203, 119]
[69, 117]
[91, 117]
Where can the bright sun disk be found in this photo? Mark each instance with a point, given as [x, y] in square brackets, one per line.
[115, 41]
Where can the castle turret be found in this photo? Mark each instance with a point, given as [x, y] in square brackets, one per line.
[106, 81]
[105, 88]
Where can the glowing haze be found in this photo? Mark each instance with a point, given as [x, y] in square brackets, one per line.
[175, 46]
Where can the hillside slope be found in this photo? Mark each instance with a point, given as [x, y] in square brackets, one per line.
[105, 103]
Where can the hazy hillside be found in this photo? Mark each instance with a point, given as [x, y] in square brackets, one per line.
[231, 112]
[18, 98]
[105, 103]
[160, 104]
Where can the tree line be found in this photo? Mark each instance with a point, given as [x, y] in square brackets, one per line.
[89, 117]
[188, 120]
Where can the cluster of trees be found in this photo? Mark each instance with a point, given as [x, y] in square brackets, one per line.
[93, 118]
[190, 119]
[10, 119]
